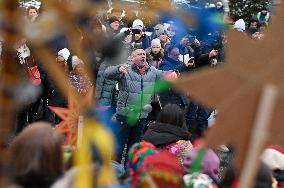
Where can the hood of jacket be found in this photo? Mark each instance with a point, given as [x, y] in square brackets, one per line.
[161, 134]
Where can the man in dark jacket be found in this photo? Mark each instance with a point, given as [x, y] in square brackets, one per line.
[171, 62]
[132, 80]
[113, 28]
[193, 111]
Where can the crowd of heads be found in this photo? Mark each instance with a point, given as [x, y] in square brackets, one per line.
[256, 26]
[167, 154]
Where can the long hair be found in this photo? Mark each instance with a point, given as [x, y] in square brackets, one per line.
[36, 153]
[172, 114]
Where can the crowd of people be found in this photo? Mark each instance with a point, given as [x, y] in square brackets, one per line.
[128, 58]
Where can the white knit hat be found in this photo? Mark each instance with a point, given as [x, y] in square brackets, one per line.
[155, 42]
[219, 4]
[65, 53]
[76, 61]
[137, 22]
[274, 158]
[240, 25]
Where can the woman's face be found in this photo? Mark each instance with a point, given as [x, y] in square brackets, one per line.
[79, 69]
[60, 60]
[32, 13]
[171, 32]
[156, 49]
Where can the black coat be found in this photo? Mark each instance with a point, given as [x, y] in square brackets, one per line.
[161, 134]
[50, 91]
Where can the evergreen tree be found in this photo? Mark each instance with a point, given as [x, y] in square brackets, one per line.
[246, 9]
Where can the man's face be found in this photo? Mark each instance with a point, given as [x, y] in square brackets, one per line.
[115, 25]
[171, 32]
[185, 41]
[139, 57]
[32, 13]
[174, 54]
[253, 24]
[163, 38]
[137, 36]
[262, 28]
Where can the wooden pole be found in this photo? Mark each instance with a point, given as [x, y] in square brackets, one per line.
[80, 131]
[259, 135]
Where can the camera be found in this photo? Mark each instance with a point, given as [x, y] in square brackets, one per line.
[136, 31]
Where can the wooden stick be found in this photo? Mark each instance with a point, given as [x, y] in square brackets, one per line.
[80, 131]
[259, 135]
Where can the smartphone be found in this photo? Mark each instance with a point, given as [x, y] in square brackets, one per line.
[191, 59]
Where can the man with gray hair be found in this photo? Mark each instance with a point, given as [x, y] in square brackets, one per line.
[132, 80]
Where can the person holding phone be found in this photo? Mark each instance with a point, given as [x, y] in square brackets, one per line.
[186, 51]
[135, 37]
[139, 38]
[171, 62]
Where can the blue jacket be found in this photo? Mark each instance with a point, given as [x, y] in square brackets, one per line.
[171, 96]
[170, 64]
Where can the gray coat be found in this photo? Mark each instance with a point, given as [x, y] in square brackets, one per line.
[131, 85]
[104, 87]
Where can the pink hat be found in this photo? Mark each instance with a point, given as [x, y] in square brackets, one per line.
[156, 42]
[210, 162]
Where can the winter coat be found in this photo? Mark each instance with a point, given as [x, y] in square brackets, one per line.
[50, 91]
[171, 96]
[154, 59]
[202, 60]
[186, 50]
[105, 87]
[131, 85]
[161, 134]
[201, 56]
[81, 83]
[170, 64]
[143, 43]
[169, 137]
[110, 32]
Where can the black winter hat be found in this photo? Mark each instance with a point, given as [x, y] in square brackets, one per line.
[264, 8]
